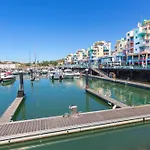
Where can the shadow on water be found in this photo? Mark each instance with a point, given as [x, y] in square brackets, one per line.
[20, 112]
[97, 100]
[124, 139]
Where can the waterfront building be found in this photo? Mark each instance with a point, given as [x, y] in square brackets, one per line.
[99, 50]
[120, 45]
[75, 58]
[81, 55]
[138, 44]
[68, 59]
[119, 55]
[8, 66]
[144, 42]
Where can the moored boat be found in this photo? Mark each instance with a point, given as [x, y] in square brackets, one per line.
[76, 75]
[68, 74]
[56, 74]
[7, 76]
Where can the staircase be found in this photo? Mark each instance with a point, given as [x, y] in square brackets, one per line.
[100, 72]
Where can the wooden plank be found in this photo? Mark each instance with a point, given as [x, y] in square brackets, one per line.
[51, 125]
[10, 111]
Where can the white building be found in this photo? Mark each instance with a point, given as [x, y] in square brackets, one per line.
[8, 66]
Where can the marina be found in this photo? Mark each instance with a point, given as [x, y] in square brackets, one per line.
[74, 75]
[59, 121]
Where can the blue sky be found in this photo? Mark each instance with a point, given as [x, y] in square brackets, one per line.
[54, 28]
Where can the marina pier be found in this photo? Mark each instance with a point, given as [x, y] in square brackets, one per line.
[45, 127]
[107, 99]
[9, 113]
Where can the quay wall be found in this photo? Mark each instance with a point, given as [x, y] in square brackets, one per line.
[140, 75]
[125, 82]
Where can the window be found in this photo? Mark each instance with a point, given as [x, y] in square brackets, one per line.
[128, 39]
[136, 37]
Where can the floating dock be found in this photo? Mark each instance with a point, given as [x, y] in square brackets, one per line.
[21, 131]
[125, 82]
[10, 111]
[107, 99]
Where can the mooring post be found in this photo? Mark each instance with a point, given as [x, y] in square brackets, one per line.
[21, 87]
[87, 82]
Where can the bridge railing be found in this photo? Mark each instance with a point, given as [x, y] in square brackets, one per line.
[128, 67]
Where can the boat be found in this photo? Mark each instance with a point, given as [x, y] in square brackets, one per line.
[44, 71]
[15, 72]
[37, 76]
[68, 74]
[76, 75]
[7, 76]
[56, 74]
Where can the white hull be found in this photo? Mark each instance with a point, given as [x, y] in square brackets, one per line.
[7, 78]
[56, 75]
[76, 77]
[66, 76]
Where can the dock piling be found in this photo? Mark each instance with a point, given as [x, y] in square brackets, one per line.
[21, 87]
[87, 82]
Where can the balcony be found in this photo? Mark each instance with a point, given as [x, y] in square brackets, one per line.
[106, 50]
[131, 42]
[142, 33]
[144, 43]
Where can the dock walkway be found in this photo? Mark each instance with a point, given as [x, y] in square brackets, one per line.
[45, 127]
[107, 98]
[10, 111]
[126, 82]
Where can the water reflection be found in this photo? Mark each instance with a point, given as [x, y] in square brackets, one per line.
[126, 94]
[21, 111]
[87, 103]
[8, 83]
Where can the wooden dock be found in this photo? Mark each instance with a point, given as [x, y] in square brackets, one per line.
[107, 98]
[10, 111]
[21, 131]
[125, 82]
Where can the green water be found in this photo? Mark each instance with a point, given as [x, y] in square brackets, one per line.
[129, 95]
[45, 98]
[129, 138]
